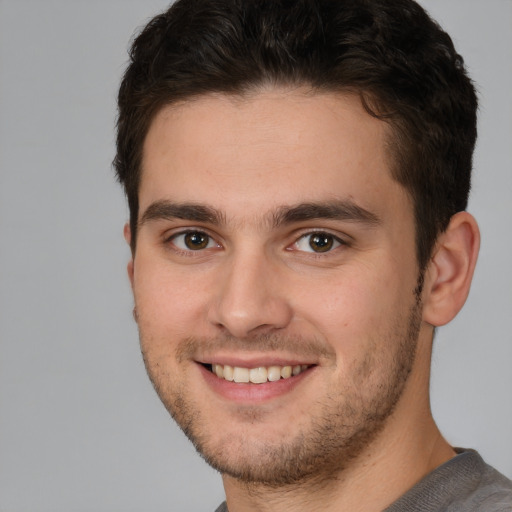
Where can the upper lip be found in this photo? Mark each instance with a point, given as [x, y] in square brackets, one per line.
[254, 362]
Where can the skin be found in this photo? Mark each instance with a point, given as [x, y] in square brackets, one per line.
[258, 294]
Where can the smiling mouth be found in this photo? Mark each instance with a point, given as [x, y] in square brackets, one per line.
[258, 375]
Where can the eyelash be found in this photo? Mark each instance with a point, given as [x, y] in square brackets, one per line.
[336, 242]
[190, 252]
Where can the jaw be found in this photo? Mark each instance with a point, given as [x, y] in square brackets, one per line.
[298, 427]
[318, 422]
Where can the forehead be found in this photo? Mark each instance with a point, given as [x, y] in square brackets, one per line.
[268, 149]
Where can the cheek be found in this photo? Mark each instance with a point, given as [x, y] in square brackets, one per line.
[164, 312]
[169, 303]
[354, 310]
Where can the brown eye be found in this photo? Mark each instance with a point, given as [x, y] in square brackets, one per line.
[321, 242]
[196, 240]
[193, 241]
[318, 242]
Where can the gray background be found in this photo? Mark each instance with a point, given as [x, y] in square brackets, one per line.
[80, 426]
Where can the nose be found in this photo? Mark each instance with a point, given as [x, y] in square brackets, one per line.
[250, 298]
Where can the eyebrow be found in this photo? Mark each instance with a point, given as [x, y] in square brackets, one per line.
[167, 210]
[345, 210]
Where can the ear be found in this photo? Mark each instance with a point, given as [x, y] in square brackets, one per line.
[128, 237]
[450, 271]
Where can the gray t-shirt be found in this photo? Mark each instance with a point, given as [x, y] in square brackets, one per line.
[462, 484]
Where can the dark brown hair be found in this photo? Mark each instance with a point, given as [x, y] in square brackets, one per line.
[400, 62]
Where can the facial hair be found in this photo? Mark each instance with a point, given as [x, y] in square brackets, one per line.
[351, 416]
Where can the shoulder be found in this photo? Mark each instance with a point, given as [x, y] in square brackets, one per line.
[222, 508]
[493, 493]
[464, 483]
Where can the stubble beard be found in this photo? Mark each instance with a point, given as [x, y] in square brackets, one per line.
[350, 418]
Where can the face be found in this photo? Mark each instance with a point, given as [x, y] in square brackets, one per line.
[274, 280]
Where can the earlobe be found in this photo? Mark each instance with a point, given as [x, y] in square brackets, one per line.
[450, 271]
[128, 237]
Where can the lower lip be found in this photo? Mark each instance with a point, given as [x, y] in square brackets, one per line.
[251, 393]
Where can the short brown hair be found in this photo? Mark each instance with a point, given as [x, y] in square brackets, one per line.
[401, 63]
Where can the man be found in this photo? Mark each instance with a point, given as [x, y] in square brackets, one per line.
[297, 175]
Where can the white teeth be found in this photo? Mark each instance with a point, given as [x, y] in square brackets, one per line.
[219, 370]
[257, 375]
[240, 374]
[228, 372]
[286, 372]
[274, 373]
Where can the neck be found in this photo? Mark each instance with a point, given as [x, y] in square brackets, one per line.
[370, 484]
[408, 448]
